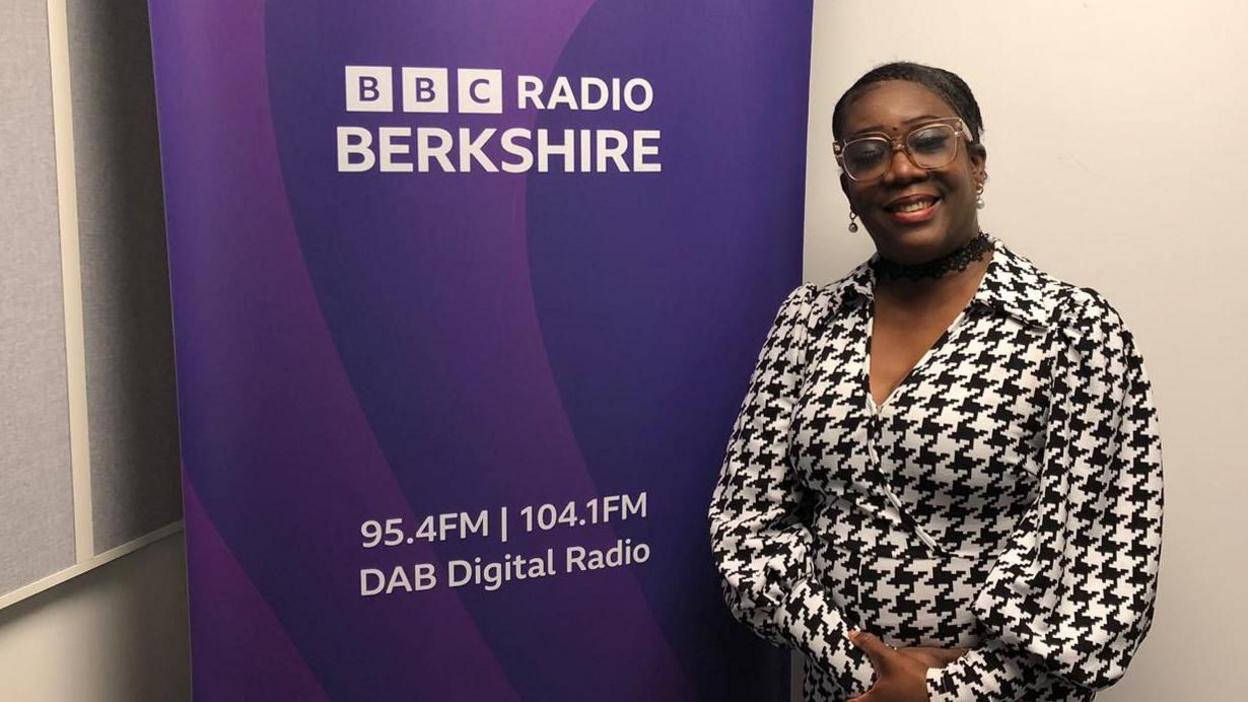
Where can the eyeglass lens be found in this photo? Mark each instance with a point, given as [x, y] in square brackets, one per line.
[928, 147]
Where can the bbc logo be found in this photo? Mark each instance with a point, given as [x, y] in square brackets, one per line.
[371, 89]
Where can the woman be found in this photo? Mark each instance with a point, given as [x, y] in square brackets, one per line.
[945, 480]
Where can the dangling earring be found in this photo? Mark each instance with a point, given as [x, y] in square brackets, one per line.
[979, 196]
[853, 226]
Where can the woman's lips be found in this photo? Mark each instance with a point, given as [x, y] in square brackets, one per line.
[913, 211]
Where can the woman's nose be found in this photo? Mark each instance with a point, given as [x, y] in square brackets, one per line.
[901, 169]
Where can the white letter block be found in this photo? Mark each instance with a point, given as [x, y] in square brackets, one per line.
[480, 90]
[369, 89]
[426, 90]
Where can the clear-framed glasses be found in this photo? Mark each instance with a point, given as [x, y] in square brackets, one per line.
[929, 146]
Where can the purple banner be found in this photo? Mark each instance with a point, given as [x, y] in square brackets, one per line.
[466, 296]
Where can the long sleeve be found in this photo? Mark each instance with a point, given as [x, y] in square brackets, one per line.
[1072, 596]
[759, 541]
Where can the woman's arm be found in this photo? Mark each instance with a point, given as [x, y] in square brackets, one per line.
[1072, 597]
[760, 544]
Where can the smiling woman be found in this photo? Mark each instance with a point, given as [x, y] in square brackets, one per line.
[922, 205]
[945, 480]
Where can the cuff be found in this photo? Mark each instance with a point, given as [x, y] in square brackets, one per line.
[814, 625]
[990, 673]
[942, 688]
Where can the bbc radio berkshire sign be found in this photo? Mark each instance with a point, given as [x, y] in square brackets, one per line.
[466, 298]
[404, 149]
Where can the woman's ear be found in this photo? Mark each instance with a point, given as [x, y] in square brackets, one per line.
[979, 158]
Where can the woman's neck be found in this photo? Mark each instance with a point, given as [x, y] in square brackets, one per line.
[956, 275]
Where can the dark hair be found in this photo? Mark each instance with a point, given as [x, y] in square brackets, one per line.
[946, 84]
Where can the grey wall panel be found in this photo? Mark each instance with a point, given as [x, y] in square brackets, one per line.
[36, 497]
[129, 348]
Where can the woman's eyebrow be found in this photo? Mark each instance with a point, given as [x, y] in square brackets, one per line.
[880, 128]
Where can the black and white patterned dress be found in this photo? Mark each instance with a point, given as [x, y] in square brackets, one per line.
[1006, 497]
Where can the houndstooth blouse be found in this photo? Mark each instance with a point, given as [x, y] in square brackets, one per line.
[1006, 497]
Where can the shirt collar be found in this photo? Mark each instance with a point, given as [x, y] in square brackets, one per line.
[1011, 285]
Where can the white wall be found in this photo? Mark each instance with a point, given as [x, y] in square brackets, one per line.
[1118, 160]
[117, 633]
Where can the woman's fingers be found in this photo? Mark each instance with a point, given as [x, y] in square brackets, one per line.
[899, 674]
[952, 654]
[879, 653]
[869, 696]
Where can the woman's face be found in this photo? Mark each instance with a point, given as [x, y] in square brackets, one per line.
[945, 197]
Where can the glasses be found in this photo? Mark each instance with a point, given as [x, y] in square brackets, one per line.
[929, 146]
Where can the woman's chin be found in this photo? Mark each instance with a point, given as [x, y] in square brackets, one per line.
[913, 244]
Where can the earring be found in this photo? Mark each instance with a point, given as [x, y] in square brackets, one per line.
[853, 225]
[979, 196]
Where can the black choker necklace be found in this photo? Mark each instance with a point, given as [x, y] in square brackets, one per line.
[956, 260]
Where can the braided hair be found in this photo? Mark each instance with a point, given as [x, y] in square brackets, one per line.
[946, 84]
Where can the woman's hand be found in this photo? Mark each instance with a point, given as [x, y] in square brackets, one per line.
[900, 674]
